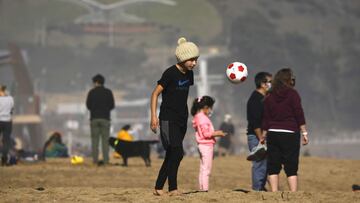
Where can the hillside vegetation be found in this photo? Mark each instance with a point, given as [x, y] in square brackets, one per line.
[319, 40]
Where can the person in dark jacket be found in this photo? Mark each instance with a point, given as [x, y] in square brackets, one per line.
[100, 102]
[225, 142]
[283, 123]
[254, 109]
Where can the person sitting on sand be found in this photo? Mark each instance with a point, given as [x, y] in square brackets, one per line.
[54, 147]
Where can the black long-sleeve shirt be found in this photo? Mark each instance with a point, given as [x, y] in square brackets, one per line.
[100, 101]
[255, 110]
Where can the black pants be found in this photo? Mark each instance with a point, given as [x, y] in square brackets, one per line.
[5, 131]
[283, 149]
[172, 135]
[169, 168]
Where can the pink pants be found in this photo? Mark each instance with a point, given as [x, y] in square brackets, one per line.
[206, 158]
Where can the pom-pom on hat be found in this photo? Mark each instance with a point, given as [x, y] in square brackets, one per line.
[186, 50]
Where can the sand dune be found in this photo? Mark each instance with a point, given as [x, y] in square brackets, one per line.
[56, 180]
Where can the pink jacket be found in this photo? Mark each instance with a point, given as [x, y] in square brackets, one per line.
[204, 129]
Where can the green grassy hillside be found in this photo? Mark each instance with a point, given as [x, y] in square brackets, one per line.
[21, 19]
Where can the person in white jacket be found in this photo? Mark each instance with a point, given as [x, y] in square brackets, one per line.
[6, 110]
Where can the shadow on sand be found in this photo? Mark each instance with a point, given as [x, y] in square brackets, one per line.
[241, 190]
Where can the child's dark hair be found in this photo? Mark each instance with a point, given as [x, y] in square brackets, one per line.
[126, 127]
[200, 103]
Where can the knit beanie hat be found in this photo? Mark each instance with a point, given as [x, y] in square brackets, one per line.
[186, 50]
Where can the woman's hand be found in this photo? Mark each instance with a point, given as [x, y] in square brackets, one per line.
[305, 139]
[262, 138]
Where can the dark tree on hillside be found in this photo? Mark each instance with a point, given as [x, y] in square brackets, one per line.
[254, 40]
[321, 78]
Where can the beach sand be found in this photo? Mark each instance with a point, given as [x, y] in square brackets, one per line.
[56, 180]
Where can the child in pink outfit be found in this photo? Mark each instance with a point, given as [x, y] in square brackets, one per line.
[205, 137]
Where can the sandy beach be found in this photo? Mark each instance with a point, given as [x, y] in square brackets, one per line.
[56, 180]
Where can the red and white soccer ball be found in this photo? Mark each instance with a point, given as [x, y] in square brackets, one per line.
[236, 72]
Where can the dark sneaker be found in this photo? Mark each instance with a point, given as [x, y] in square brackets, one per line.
[356, 187]
[258, 153]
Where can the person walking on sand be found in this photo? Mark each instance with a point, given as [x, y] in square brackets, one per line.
[100, 102]
[205, 137]
[174, 86]
[283, 123]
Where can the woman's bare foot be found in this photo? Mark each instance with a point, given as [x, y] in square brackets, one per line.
[159, 192]
[175, 193]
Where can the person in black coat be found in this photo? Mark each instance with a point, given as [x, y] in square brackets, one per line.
[225, 143]
[100, 102]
